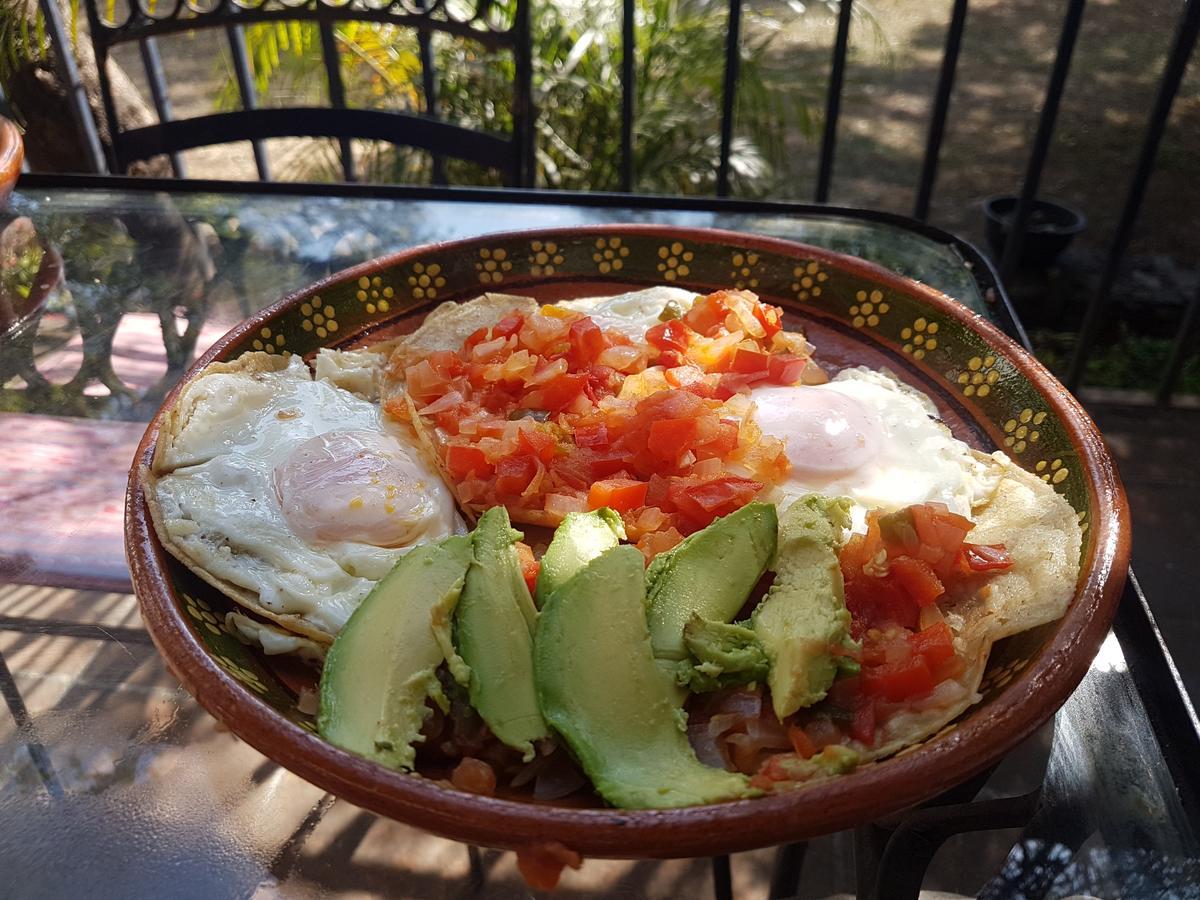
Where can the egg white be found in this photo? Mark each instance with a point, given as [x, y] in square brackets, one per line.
[219, 499]
[631, 314]
[897, 454]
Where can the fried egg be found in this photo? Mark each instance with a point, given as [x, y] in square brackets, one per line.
[866, 436]
[292, 490]
[632, 313]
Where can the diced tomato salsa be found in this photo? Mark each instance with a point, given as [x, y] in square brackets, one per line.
[894, 575]
[549, 413]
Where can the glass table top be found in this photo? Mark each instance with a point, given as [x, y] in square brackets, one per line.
[113, 781]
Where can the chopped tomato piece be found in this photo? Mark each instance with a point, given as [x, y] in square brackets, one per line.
[587, 341]
[474, 776]
[862, 726]
[726, 439]
[737, 382]
[683, 376]
[537, 443]
[529, 565]
[463, 461]
[670, 437]
[446, 363]
[514, 473]
[748, 362]
[877, 602]
[985, 557]
[707, 500]
[671, 359]
[899, 680]
[935, 643]
[424, 383]
[785, 368]
[478, 336]
[672, 335]
[541, 865]
[917, 579]
[562, 391]
[951, 667]
[707, 313]
[941, 534]
[583, 466]
[770, 317]
[509, 325]
[621, 494]
[800, 741]
[591, 436]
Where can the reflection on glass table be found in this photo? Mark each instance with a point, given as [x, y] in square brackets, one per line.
[113, 782]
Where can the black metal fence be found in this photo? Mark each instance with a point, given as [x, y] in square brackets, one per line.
[422, 15]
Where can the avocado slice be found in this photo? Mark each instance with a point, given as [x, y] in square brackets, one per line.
[710, 573]
[804, 613]
[493, 632]
[577, 541]
[725, 655]
[600, 688]
[381, 668]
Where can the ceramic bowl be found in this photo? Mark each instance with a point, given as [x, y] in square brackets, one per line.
[990, 391]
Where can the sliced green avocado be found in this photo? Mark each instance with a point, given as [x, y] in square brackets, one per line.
[710, 573]
[804, 614]
[724, 656]
[577, 541]
[381, 668]
[493, 632]
[600, 688]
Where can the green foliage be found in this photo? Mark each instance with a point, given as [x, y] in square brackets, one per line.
[1133, 362]
[577, 90]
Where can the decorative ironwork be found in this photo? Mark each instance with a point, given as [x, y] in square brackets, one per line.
[494, 25]
[485, 21]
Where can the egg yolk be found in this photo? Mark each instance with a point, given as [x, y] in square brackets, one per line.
[826, 433]
[357, 486]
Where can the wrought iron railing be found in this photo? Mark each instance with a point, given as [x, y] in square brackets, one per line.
[485, 23]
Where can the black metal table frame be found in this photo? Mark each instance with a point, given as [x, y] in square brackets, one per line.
[1168, 706]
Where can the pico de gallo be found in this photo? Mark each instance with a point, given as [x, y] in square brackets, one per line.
[906, 659]
[547, 413]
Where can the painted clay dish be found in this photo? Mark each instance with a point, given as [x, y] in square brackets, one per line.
[990, 391]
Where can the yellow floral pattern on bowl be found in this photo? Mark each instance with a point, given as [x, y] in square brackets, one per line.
[203, 615]
[675, 261]
[268, 342]
[425, 280]
[980, 377]
[610, 254]
[868, 309]
[372, 293]
[544, 258]
[1021, 431]
[743, 275]
[1052, 471]
[920, 337]
[319, 318]
[492, 265]
[246, 676]
[808, 280]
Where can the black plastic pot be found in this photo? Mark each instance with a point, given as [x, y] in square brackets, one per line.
[1051, 227]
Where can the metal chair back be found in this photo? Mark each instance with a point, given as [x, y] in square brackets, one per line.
[481, 21]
